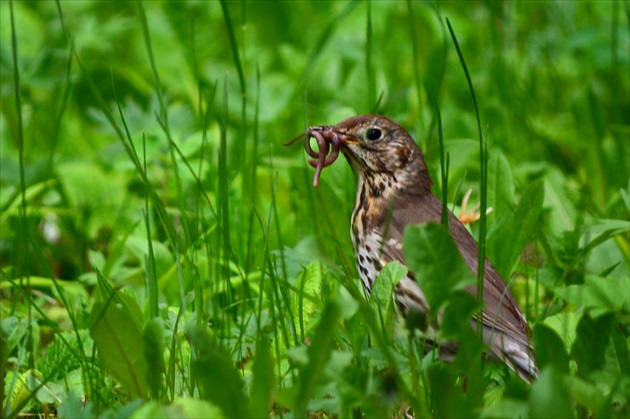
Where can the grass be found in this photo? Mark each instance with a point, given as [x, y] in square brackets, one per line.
[163, 254]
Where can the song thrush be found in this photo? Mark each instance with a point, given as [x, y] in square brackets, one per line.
[394, 191]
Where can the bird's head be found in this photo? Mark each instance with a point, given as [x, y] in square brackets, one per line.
[377, 147]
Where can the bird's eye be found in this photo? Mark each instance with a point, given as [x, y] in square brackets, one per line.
[373, 134]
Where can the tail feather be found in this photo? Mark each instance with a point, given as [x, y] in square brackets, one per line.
[517, 355]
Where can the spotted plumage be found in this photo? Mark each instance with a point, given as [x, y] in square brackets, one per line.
[394, 191]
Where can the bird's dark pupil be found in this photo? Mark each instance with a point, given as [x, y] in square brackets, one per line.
[373, 134]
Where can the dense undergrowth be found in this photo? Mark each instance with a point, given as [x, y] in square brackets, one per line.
[163, 254]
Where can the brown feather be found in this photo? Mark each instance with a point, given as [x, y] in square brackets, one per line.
[393, 192]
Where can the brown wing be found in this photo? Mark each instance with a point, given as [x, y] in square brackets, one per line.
[505, 328]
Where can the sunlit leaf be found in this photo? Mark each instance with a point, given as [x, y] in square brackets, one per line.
[120, 345]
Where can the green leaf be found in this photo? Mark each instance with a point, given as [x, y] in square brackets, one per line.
[549, 349]
[120, 345]
[139, 247]
[621, 350]
[590, 396]
[307, 303]
[264, 382]
[508, 241]
[182, 407]
[602, 295]
[154, 347]
[457, 316]
[565, 325]
[381, 300]
[549, 396]
[318, 355]
[456, 325]
[593, 336]
[12, 330]
[447, 398]
[219, 380]
[126, 301]
[72, 407]
[500, 184]
[91, 192]
[562, 211]
[436, 262]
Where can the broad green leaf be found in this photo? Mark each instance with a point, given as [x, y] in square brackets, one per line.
[264, 381]
[620, 342]
[604, 246]
[600, 294]
[91, 191]
[154, 347]
[508, 241]
[549, 349]
[349, 305]
[549, 396]
[212, 368]
[73, 407]
[138, 246]
[565, 325]
[12, 329]
[590, 396]
[307, 301]
[625, 197]
[593, 337]
[500, 184]
[436, 262]
[125, 301]
[181, 407]
[381, 297]
[457, 316]
[447, 399]
[456, 325]
[318, 355]
[121, 348]
[610, 226]
[562, 212]
[25, 384]
[506, 408]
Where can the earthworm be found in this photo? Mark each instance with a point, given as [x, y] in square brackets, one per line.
[325, 137]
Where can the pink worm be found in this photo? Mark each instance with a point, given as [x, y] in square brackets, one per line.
[323, 136]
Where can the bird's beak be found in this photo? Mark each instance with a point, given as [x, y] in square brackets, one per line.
[348, 139]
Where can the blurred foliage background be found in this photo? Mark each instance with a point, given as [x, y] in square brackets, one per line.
[142, 163]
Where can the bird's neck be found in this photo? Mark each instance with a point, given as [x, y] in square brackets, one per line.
[385, 186]
[375, 197]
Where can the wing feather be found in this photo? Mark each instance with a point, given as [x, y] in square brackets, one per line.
[505, 328]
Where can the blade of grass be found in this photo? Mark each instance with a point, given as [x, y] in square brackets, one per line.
[369, 62]
[22, 265]
[240, 145]
[223, 202]
[252, 177]
[444, 161]
[162, 118]
[483, 166]
[149, 263]
[234, 46]
[415, 63]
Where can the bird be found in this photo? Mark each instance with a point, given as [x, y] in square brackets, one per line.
[393, 192]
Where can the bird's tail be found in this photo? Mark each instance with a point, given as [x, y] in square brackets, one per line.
[516, 354]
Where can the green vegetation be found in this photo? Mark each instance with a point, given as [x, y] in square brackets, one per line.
[163, 254]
